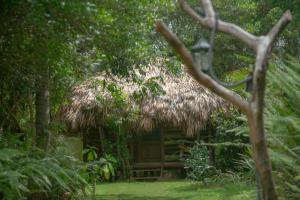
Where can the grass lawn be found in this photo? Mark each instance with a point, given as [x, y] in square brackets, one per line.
[174, 190]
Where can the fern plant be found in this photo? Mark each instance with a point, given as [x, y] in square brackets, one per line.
[282, 123]
[24, 174]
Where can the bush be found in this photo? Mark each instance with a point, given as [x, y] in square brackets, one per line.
[197, 164]
[230, 142]
[99, 169]
[24, 174]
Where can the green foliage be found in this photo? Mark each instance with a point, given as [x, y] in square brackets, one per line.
[254, 16]
[25, 173]
[72, 39]
[176, 189]
[35, 36]
[230, 143]
[197, 164]
[75, 38]
[282, 126]
[237, 75]
[99, 169]
[247, 164]
[102, 169]
[272, 10]
[118, 148]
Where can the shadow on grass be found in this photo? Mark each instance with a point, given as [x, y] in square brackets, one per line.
[193, 187]
[210, 191]
[174, 191]
[136, 197]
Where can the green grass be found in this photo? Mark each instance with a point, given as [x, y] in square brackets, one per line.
[174, 190]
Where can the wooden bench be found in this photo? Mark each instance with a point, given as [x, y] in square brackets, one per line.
[152, 170]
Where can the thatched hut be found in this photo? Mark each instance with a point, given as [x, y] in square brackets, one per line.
[172, 114]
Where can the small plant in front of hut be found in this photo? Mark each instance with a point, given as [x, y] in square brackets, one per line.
[231, 141]
[102, 168]
[99, 169]
[197, 164]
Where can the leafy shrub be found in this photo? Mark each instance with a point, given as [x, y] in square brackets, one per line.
[99, 169]
[26, 173]
[197, 164]
[230, 143]
[102, 169]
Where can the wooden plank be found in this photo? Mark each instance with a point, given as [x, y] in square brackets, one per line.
[146, 178]
[143, 170]
[157, 165]
[162, 149]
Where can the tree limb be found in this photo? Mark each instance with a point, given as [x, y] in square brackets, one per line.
[196, 73]
[229, 28]
[262, 45]
[285, 19]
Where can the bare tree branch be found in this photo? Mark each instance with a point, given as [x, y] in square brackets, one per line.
[256, 121]
[196, 73]
[208, 21]
[254, 109]
[285, 19]
[208, 9]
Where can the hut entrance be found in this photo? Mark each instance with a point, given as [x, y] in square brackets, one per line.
[148, 148]
[147, 155]
[149, 151]
[159, 154]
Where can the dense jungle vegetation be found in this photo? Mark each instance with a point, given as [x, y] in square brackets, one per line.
[48, 46]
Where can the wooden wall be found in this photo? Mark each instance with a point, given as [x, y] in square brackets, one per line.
[165, 144]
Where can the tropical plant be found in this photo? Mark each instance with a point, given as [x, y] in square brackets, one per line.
[230, 144]
[101, 169]
[27, 174]
[197, 164]
[283, 126]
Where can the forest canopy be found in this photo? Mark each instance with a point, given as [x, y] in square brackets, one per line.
[49, 46]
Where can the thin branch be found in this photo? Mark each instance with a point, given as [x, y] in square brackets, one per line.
[285, 19]
[229, 28]
[208, 9]
[200, 77]
[263, 50]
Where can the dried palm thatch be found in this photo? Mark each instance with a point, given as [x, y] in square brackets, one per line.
[184, 103]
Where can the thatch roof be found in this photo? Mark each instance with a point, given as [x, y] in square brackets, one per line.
[185, 104]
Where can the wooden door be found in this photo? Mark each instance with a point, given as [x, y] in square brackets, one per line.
[148, 148]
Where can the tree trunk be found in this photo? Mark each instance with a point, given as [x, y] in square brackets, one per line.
[257, 132]
[42, 106]
[31, 135]
[261, 158]
[262, 46]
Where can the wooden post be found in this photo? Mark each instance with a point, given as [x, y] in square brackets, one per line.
[162, 149]
[211, 149]
[253, 108]
[101, 137]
